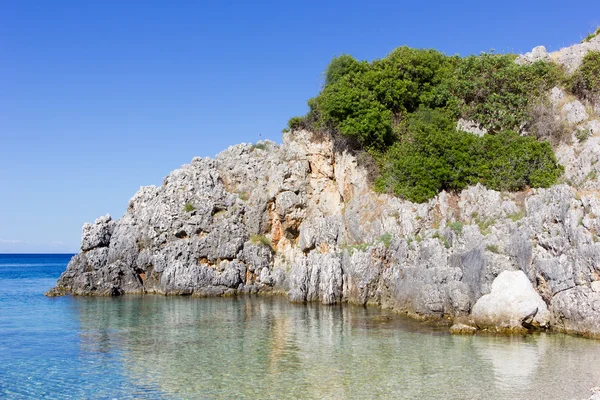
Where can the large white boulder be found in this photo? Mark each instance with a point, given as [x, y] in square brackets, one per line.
[512, 302]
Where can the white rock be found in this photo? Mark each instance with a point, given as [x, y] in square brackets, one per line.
[470, 127]
[556, 96]
[575, 112]
[593, 126]
[538, 53]
[511, 301]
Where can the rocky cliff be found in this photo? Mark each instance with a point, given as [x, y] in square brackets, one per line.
[300, 220]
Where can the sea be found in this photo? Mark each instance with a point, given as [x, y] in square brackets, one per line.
[156, 347]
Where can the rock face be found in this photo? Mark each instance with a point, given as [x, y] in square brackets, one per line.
[571, 57]
[299, 219]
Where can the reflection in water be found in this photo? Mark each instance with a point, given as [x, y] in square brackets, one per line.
[268, 348]
[515, 360]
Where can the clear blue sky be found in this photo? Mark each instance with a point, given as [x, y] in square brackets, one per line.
[100, 98]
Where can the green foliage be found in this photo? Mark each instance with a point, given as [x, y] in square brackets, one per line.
[592, 175]
[583, 134]
[516, 216]
[442, 238]
[436, 157]
[592, 35]
[343, 65]
[188, 207]
[260, 239]
[356, 247]
[259, 146]
[296, 123]
[493, 248]
[244, 196]
[456, 227]
[484, 226]
[386, 239]
[367, 100]
[403, 109]
[585, 82]
[496, 92]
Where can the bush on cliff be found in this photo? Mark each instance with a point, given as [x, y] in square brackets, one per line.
[403, 110]
[585, 82]
[496, 92]
[434, 156]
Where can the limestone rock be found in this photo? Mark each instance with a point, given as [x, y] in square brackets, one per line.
[470, 127]
[575, 112]
[577, 310]
[300, 219]
[512, 303]
[97, 234]
[538, 53]
[462, 329]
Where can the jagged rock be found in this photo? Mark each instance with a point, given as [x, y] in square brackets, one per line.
[300, 219]
[570, 57]
[512, 304]
[593, 127]
[538, 53]
[577, 310]
[556, 96]
[97, 234]
[575, 112]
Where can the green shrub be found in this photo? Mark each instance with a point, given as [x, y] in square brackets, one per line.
[519, 215]
[260, 239]
[493, 248]
[366, 100]
[436, 157]
[244, 196]
[403, 109]
[456, 227]
[296, 123]
[496, 92]
[386, 239]
[582, 135]
[484, 226]
[585, 82]
[259, 146]
[442, 239]
[592, 35]
[188, 207]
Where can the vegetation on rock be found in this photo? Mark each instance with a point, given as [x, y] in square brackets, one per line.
[403, 110]
[585, 82]
[592, 35]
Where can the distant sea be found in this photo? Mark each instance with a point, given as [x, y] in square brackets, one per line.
[148, 347]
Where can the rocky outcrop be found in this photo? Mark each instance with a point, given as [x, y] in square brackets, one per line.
[570, 57]
[300, 220]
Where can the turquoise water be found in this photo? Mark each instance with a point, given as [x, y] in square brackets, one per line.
[178, 347]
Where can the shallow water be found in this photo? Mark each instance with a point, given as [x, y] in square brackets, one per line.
[180, 347]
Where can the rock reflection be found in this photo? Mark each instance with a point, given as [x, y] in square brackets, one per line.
[269, 348]
[515, 359]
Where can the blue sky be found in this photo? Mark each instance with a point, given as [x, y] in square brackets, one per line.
[100, 98]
